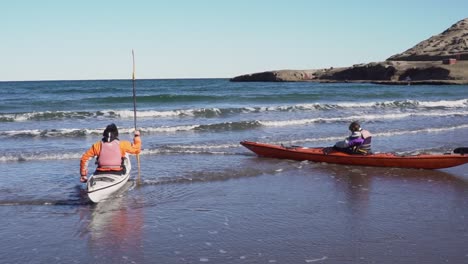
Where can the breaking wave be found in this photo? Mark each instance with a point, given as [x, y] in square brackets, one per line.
[220, 112]
[229, 126]
[227, 148]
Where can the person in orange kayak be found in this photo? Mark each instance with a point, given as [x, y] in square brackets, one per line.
[110, 152]
[358, 143]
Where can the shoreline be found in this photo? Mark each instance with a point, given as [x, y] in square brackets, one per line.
[386, 72]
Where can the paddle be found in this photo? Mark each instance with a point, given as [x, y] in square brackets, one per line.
[134, 114]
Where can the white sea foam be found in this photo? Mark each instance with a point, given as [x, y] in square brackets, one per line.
[128, 114]
[49, 133]
[39, 156]
[445, 103]
[234, 125]
[379, 134]
[418, 131]
[222, 146]
[167, 129]
[316, 260]
[213, 149]
[354, 104]
[364, 117]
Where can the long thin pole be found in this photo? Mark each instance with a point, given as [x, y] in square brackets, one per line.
[134, 114]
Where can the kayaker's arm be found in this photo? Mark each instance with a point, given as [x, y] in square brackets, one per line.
[89, 154]
[134, 148]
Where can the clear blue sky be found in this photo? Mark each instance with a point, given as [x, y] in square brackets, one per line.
[60, 39]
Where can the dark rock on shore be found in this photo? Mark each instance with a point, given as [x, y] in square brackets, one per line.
[273, 76]
[426, 63]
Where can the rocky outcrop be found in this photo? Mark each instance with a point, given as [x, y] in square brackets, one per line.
[273, 76]
[421, 64]
[373, 71]
[391, 72]
[430, 73]
[452, 43]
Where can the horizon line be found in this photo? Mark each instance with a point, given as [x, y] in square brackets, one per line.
[117, 79]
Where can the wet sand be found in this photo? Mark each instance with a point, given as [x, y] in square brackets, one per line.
[265, 211]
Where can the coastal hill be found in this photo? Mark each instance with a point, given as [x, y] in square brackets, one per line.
[441, 59]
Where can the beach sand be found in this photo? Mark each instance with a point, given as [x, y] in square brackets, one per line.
[254, 210]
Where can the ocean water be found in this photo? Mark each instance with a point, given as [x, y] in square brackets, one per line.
[205, 198]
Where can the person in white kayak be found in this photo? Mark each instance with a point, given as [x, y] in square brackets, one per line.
[110, 152]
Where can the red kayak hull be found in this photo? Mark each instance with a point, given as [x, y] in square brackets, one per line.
[422, 161]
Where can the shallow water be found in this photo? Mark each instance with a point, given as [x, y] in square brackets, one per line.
[206, 199]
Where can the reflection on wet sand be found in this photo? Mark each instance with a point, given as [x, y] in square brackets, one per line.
[114, 230]
[356, 181]
[294, 212]
[390, 206]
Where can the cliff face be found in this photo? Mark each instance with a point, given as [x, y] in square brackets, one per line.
[275, 76]
[421, 64]
[452, 43]
[372, 71]
[394, 71]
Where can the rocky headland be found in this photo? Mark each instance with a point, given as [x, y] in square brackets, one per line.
[441, 59]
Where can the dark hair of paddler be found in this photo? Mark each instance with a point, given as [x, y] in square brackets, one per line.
[110, 133]
[354, 126]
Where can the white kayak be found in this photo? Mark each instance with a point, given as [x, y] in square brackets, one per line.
[103, 185]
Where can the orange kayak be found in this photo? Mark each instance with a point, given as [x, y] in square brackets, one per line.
[421, 161]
